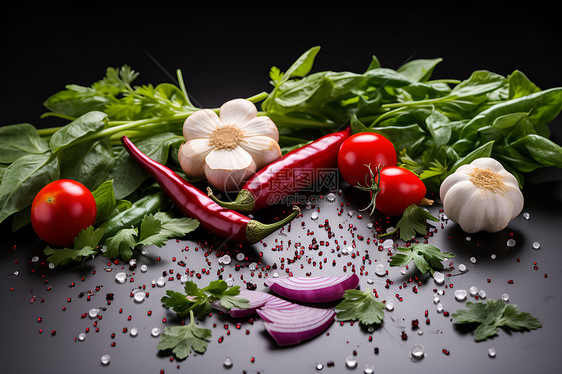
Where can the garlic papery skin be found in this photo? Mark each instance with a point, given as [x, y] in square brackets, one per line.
[229, 147]
[481, 196]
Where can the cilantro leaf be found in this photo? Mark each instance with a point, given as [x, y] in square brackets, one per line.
[176, 227]
[488, 317]
[425, 256]
[182, 340]
[413, 221]
[122, 244]
[85, 245]
[150, 232]
[362, 306]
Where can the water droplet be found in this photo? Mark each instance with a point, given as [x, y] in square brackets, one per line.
[493, 256]
[473, 291]
[536, 245]
[225, 260]
[105, 359]
[438, 277]
[369, 369]
[144, 268]
[134, 332]
[120, 277]
[155, 331]
[403, 271]
[319, 366]
[436, 300]
[81, 336]
[93, 313]
[350, 213]
[132, 262]
[227, 363]
[15, 273]
[350, 362]
[473, 260]
[460, 295]
[439, 308]
[184, 278]
[505, 297]
[345, 251]
[139, 297]
[253, 266]
[370, 280]
[331, 197]
[468, 238]
[51, 265]
[370, 225]
[492, 352]
[482, 294]
[314, 215]
[275, 275]
[390, 229]
[240, 256]
[380, 270]
[389, 305]
[511, 243]
[161, 282]
[462, 268]
[526, 215]
[35, 259]
[387, 243]
[417, 352]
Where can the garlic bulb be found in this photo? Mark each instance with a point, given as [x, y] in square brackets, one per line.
[481, 196]
[229, 147]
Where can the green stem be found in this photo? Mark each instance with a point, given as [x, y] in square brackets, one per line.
[420, 102]
[385, 115]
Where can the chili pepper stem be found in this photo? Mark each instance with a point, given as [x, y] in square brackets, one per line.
[256, 231]
[244, 201]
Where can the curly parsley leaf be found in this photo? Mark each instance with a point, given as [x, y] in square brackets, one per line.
[425, 256]
[488, 317]
[182, 340]
[199, 300]
[85, 245]
[413, 221]
[121, 244]
[361, 306]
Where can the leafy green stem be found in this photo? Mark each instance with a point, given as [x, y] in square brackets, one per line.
[421, 102]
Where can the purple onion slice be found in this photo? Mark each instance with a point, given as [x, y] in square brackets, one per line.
[313, 289]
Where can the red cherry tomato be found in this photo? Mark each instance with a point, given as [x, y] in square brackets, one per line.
[398, 188]
[61, 210]
[364, 148]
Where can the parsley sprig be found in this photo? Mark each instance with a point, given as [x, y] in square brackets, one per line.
[425, 256]
[198, 300]
[414, 221]
[184, 339]
[488, 317]
[361, 306]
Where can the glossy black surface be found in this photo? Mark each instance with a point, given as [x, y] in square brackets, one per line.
[226, 52]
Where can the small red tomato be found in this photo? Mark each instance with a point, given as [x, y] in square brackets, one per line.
[61, 210]
[398, 188]
[361, 149]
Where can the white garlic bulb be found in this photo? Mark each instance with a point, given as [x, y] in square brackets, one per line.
[481, 196]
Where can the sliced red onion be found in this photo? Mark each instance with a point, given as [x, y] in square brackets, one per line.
[313, 289]
[293, 326]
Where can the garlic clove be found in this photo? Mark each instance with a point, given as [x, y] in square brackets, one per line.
[201, 124]
[237, 112]
[226, 170]
[263, 149]
[260, 126]
[192, 156]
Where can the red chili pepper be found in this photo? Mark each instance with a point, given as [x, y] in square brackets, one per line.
[197, 205]
[284, 176]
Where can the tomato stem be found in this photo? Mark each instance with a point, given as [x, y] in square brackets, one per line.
[372, 186]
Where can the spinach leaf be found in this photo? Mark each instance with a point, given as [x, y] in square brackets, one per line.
[23, 179]
[88, 163]
[88, 123]
[20, 140]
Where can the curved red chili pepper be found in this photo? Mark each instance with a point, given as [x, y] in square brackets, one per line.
[197, 205]
[277, 179]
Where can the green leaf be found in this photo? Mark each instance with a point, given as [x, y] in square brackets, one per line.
[20, 140]
[122, 244]
[85, 245]
[425, 256]
[179, 302]
[150, 232]
[419, 70]
[174, 227]
[439, 127]
[413, 221]
[88, 123]
[105, 201]
[361, 306]
[23, 179]
[488, 316]
[182, 340]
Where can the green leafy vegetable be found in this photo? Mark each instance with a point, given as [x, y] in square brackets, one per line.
[425, 256]
[361, 306]
[85, 245]
[488, 317]
[182, 340]
[413, 221]
[198, 300]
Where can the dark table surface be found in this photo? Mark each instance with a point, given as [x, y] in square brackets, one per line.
[226, 52]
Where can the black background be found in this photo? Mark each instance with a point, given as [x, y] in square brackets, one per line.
[225, 50]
